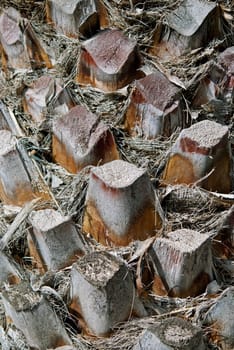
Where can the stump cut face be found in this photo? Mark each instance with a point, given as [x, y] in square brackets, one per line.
[120, 204]
[108, 61]
[155, 108]
[201, 151]
[81, 139]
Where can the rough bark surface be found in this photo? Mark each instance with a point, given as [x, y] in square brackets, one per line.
[81, 139]
[108, 61]
[54, 239]
[201, 151]
[120, 204]
[183, 263]
[155, 108]
[102, 291]
[33, 315]
[171, 333]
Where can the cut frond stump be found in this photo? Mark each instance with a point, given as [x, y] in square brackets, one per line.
[32, 314]
[171, 333]
[108, 61]
[182, 263]
[76, 16]
[20, 47]
[193, 24]
[19, 180]
[120, 204]
[201, 155]
[81, 139]
[103, 292]
[41, 93]
[54, 240]
[9, 273]
[220, 319]
[155, 108]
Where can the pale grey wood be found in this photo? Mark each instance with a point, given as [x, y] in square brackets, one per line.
[189, 16]
[56, 239]
[193, 24]
[183, 262]
[169, 334]
[33, 315]
[103, 292]
[120, 204]
[220, 319]
[73, 17]
[12, 40]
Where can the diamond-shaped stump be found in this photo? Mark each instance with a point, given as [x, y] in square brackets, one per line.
[54, 240]
[19, 181]
[43, 91]
[120, 204]
[182, 263]
[75, 17]
[81, 139]
[193, 24]
[202, 155]
[32, 314]
[103, 292]
[156, 108]
[20, 47]
[108, 61]
[171, 333]
[220, 320]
